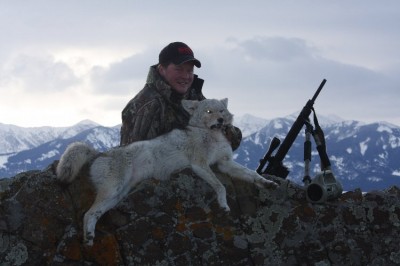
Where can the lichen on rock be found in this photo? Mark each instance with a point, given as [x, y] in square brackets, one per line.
[179, 222]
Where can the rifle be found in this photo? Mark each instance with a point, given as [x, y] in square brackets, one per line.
[275, 166]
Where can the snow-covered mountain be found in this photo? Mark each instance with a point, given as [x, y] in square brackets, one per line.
[101, 138]
[15, 139]
[362, 155]
[249, 124]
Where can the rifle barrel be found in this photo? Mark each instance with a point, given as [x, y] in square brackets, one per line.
[318, 90]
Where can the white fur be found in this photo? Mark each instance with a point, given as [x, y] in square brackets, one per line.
[199, 146]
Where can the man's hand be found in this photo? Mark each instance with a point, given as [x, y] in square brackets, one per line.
[233, 135]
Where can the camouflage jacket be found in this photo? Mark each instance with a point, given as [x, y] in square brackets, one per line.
[157, 110]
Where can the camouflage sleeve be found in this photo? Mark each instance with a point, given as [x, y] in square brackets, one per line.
[141, 124]
[234, 135]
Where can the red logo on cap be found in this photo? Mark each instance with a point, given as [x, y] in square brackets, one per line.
[185, 50]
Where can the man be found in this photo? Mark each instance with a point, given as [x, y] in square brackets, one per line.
[157, 108]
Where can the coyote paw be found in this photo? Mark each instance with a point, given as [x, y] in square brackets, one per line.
[88, 241]
[226, 208]
[265, 183]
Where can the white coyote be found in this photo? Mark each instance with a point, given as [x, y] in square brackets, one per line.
[200, 145]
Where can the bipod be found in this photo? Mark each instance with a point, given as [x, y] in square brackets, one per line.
[324, 186]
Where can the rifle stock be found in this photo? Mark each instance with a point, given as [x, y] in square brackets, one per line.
[275, 163]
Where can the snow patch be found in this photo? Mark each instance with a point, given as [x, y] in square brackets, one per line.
[49, 154]
[374, 179]
[396, 173]
[249, 124]
[364, 146]
[394, 141]
[4, 160]
[278, 124]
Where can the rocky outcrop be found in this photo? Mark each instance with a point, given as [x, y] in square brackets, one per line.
[178, 222]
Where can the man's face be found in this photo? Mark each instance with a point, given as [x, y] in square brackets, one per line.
[179, 77]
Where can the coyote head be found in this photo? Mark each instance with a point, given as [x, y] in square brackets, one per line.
[208, 113]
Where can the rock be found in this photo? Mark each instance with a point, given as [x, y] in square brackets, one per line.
[178, 222]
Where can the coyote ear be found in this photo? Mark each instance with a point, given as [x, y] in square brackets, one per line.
[225, 102]
[189, 105]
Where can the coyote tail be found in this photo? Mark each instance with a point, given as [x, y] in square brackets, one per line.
[73, 159]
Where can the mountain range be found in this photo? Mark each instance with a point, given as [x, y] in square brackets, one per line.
[365, 156]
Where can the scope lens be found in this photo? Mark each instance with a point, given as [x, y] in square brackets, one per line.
[315, 192]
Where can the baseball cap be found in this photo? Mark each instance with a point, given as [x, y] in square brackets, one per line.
[177, 53]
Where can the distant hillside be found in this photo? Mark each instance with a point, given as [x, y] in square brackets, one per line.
[363, 156]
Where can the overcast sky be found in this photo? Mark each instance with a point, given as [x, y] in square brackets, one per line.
[65, 61]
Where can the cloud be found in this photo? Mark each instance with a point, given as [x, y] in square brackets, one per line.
[123, 76]
[276, 49]
[38, 73]
[267, 64]
[266, 76]
[275, 76]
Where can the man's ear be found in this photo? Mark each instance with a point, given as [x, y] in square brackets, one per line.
[190, 106]
[161, 70]
[224, 102]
